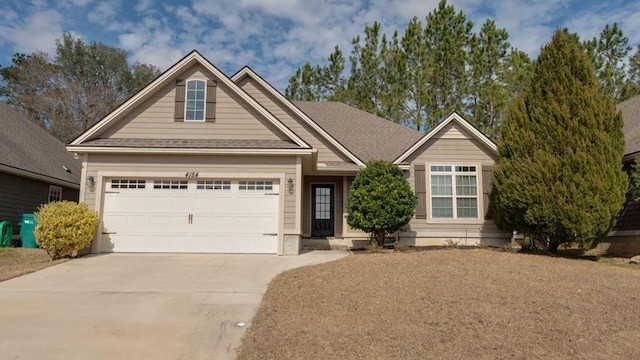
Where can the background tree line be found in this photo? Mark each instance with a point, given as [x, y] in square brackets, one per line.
[69, 91]
[441, 65]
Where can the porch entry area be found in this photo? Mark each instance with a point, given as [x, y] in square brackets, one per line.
[323, 204]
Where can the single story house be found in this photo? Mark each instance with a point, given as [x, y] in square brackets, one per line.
[201, 162]
[624, 239]
[35, 167]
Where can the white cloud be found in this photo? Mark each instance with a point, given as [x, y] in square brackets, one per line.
[275, 37]
[144, 5]
[35, 32]
[104, 12]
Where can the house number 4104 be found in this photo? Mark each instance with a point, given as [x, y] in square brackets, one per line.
[191, 175]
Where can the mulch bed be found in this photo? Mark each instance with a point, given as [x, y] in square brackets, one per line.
[450, 304]
[19, 261]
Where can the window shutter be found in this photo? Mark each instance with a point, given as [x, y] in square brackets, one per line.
[210, 115]
[178, 116]
[421, 191]
[487, 170]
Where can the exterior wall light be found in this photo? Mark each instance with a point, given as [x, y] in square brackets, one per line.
[290, 185]
[91, 181]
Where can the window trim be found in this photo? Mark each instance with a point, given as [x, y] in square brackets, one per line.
[186, 100]
[55, 191]
[479, 193]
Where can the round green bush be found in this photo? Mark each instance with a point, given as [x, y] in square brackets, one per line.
[64, 227]
[380, 200]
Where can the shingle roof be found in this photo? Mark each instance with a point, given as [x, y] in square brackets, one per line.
[631, 128]
[365, 135]
[629, 218]
[26, 146]
[192, 143]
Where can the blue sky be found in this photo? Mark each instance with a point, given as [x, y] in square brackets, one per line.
[275, 37]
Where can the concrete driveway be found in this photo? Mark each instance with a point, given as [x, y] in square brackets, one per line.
[146, 306]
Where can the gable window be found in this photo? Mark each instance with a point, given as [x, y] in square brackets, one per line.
[454, 192]
[195, 100]
[55, 193]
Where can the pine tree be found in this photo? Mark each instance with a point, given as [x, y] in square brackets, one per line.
[305, 84]
[559, 175]
[608, 54]
[447, 37]
[414, 55]
[489, 98]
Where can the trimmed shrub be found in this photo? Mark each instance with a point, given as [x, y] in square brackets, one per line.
[64, 227]
[380, 200]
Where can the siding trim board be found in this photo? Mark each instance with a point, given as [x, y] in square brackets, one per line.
[195, 151]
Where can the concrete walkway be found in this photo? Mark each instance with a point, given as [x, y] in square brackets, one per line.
[142, 306]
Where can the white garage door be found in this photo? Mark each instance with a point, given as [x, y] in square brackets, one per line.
[213, 216]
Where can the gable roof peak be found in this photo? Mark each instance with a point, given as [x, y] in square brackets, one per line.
[454, 116]
[165, 78]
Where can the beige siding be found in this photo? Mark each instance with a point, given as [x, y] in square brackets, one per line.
[326, 151]
[454, 145]
[306, 202]
[154, 118]
[175, 166]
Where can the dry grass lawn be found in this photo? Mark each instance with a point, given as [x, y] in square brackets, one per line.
[449, 304]
[19, 261]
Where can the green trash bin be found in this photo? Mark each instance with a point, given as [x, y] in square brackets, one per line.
[27, 223]
[6, 233]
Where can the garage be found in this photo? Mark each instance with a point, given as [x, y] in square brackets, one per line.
[190, 215]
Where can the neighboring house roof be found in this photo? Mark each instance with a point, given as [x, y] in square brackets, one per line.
[194, 57]
[248, 72]
[631, 125]
[366, 135]
[459, 120]
[28, 150]
[629, 219]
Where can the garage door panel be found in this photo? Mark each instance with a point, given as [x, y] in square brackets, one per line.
[194, 219]
[124, 243]
[256, 223]
[126, 202]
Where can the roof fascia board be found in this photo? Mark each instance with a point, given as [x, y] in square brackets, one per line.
[131, 150]
[247, 71]
[630, 156]
[453, 117]
[188, 60]
[39, 177]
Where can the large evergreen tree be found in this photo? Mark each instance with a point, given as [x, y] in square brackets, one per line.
[559, 174]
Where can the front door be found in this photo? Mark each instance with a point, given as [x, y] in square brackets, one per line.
[322, 218]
